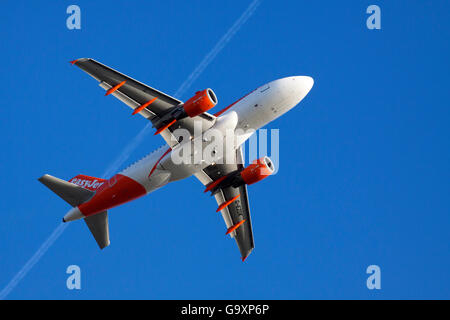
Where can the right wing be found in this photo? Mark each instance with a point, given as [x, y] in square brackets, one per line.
[135, 94]
[238, 210]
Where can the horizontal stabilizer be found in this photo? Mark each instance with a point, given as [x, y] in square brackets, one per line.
[69, 192]
[98, 224]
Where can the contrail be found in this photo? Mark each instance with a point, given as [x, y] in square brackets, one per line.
[135, 142]
[217, 48]
[33, 260]
[125, 154]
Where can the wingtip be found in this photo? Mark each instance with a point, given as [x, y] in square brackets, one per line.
[103, 246]
[246, 256]
[79, 60]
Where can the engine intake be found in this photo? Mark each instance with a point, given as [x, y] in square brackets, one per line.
[200, 103]
[257, 170]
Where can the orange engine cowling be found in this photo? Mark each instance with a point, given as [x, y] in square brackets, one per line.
[201, 102]
[258, 170]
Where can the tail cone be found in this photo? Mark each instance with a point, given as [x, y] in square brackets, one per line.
[73, 214]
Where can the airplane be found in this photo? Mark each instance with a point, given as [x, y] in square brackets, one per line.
[92, 197]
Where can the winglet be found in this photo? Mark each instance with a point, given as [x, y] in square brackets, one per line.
[73, 61]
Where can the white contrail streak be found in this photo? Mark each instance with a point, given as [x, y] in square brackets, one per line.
[217, 48]
[33, 260]
[125, 154]
[135, 142]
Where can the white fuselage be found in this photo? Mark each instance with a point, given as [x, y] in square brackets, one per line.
[253, 111]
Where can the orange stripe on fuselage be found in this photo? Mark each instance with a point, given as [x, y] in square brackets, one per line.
[159, 160]
[116, 191]
[225, 109]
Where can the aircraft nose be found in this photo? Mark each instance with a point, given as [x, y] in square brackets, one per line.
[303, 85]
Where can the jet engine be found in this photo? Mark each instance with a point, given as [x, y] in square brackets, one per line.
[255, 172]
[201, 102]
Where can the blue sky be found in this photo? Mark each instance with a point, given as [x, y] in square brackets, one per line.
[364, 164]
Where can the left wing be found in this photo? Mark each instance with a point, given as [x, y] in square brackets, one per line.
[238, 210]
[148, 102]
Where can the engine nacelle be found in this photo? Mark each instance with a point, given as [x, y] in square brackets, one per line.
[257, 170]
[200, 103]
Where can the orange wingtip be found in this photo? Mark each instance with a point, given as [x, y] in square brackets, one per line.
[117, 86]
[165, 127]
[237, 225]
[142, 107]
[243, 258]
[73, 61]
[214, 184]
[226, 204]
